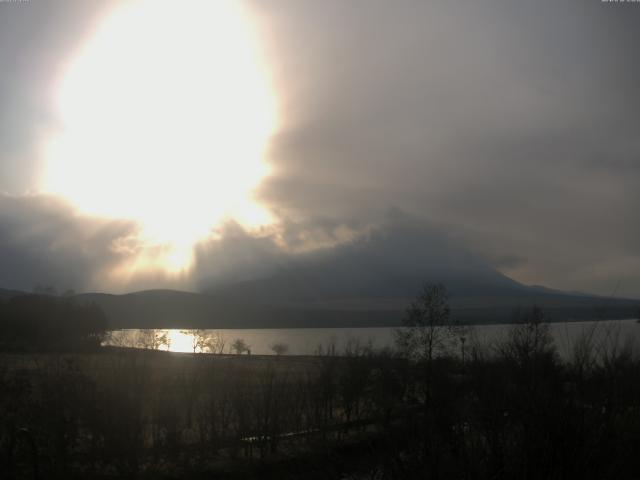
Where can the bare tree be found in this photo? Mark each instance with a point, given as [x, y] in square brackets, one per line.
[152, 339]
[215, 342]
[427, 325]
[529, 339]
[199, 339]
[203, 340]
[125, 339]
[239, 346]
[279, 348]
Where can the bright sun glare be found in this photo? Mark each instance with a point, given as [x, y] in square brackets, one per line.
[165, 116]
[179, 341]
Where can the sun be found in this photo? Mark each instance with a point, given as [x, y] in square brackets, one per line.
[180, 341]
[165, 116]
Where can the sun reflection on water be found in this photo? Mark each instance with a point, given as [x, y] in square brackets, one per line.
[180, 341]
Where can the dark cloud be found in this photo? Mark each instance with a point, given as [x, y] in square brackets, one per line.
[398, 251]
[390, 260]
[513, 123]
[509, 127]
[235, 256]
[42, 241]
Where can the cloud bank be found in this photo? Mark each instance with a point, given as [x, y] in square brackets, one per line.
[514, 124]
[510, 126]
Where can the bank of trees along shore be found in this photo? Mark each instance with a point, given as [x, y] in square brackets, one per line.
[199, 340]
[511, 410]
[45, 322]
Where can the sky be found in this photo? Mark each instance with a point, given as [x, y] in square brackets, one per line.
[508, 127]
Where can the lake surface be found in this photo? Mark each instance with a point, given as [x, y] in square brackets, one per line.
[307, 341]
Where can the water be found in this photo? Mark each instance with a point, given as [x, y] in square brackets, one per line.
[306, 341]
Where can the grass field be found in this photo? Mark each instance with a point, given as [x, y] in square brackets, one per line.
[515, 411]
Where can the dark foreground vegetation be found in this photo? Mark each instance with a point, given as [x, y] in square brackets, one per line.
[440, 406]
[45, 322]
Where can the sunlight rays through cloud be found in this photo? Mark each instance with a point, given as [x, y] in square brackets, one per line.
[165, 115]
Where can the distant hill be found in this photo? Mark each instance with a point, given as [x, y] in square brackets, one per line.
[385, 271]
[174, 309]
[389, 263]
[6, 294]
[367, 282]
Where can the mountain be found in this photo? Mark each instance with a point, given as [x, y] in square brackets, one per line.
[175, 309]
[389, 263]
[367, 282]
[386, 270]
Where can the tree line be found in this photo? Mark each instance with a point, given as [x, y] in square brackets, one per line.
[44, 322]
[434, 407]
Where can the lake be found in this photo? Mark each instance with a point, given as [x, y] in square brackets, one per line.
[306, 341]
